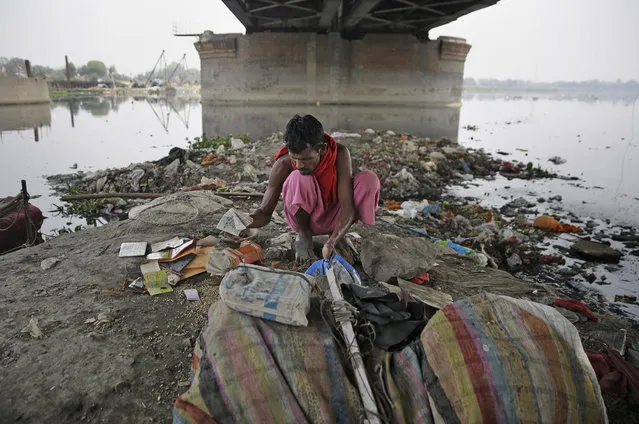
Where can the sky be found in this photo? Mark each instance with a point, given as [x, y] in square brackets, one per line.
[539, 40]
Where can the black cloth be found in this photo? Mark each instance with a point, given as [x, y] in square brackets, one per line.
[397, 318]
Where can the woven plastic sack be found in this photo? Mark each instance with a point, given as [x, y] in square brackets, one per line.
[272, 294]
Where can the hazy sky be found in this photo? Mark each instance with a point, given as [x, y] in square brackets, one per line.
[526, 39]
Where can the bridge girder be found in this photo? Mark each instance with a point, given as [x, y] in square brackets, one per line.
[351, 17]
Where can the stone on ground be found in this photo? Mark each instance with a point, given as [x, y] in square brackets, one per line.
[598, 252]
[390, 256]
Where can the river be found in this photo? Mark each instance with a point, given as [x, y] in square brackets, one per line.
[596, 136]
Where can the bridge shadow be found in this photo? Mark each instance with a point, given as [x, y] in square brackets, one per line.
[263, 120]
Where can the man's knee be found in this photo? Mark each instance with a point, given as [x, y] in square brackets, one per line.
[367, 181]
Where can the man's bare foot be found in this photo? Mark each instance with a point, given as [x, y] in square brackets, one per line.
[304, 249]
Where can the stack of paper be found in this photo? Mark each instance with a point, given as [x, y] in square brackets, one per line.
[234, 222]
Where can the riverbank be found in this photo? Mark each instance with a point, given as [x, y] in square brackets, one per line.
[64, 94]
[106, 353]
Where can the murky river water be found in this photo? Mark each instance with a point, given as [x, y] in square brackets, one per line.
[598, 138]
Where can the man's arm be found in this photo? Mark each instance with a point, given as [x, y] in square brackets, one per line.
[345, 198]
[282, 168]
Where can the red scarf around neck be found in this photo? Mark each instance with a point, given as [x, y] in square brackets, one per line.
[326, 171]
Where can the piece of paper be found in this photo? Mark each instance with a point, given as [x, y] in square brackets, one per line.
[138, 283]
[191, 294]
[156, 280]
[131, 249]
[167, 244]
[234, 222]
[175, 253]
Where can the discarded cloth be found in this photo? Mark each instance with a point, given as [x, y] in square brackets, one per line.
[397, 318]
[548, 223]
[616, 376]
[576, 306]
[492, 358]
[344, 272]
[304, 191]
[421, 279]
[326, 172]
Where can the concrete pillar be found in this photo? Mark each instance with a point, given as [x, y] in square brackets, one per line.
[306, 68]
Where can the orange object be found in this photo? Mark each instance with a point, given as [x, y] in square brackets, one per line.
[404, 138]
[209, 159]
[393, 205]
[548, 223]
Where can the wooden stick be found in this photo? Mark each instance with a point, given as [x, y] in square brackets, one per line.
[91, 196]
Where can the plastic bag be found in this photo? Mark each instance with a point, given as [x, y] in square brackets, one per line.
[271, 294]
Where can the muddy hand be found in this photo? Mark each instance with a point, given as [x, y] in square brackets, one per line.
[328, 249]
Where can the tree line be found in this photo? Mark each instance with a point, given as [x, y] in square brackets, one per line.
[95, 70]
[515, 84]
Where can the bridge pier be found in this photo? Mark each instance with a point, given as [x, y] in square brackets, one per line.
[309, 68]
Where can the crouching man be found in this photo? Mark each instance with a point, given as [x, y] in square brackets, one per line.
[313, 173]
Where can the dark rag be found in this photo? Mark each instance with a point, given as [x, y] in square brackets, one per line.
[397, 318]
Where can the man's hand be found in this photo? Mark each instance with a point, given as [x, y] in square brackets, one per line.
[260, 219]
[329, 247]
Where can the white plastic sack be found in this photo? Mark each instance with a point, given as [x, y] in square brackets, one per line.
[276, 295]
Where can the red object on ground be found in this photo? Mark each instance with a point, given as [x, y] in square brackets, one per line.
[421, 279]
[13, 227]
[576, 306]
[616, 376]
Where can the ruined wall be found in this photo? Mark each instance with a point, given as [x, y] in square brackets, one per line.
[18, 90]
[285, 68]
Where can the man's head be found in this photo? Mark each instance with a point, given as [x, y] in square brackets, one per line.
[304, 139]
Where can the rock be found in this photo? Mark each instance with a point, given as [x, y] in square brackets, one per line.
[519, 203]
[635, 253]
[171, 170]
[106, 316]
[514, 261]
[598, 252]
[437, 157]
[33, 329]
[136, 175]
[557, 160]
[389, 256]
[590, 278]
[100, 183]
[556, 198]
[541, 200]
[49, 263]
[236, 143]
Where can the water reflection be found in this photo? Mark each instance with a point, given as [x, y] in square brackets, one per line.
[260, 121]
[16, 118]
[614, 97]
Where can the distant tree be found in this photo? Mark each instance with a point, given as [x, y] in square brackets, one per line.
[94, 69]
[72, 70]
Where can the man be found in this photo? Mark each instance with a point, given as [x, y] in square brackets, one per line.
[313, 174]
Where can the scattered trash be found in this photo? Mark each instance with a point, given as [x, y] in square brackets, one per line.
[234, 222]
[220, 261]
[626, 298]
[421, 279]
[138, 283]
[575, 306]
[557, 160]
[33, 329]
[49, 263]
[191, 294]
[168, 244]
[548, 223]
[338, 134]
[132, 249]
[207, 241]
[156, 280]
[514, 261]
[457, 248]
[184, 249]
[90, 321]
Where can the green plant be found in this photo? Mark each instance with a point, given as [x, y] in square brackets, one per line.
[205, 142]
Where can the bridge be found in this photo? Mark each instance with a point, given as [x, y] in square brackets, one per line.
[351, 18]
[337, 52]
